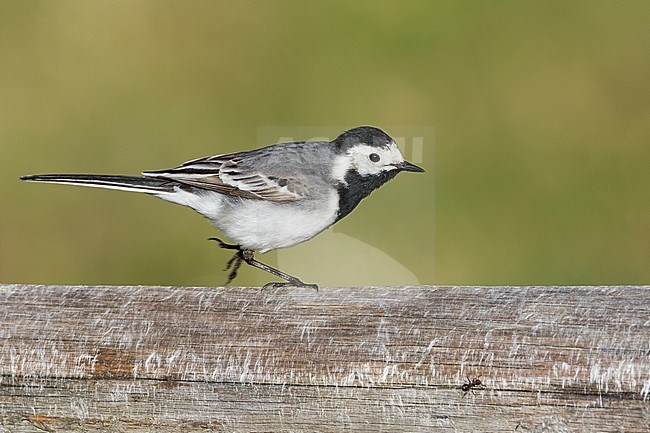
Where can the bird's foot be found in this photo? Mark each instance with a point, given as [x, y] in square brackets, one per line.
[233, 266]
[235, 262]
[224, 245]
[298, 284]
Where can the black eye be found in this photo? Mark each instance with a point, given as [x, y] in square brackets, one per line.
[374, 157]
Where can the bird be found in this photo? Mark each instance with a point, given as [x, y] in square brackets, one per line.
[271, 197]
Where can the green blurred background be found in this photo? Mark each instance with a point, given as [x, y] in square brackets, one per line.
[537, 150]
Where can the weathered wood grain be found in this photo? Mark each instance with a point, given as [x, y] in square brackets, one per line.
[372, 359]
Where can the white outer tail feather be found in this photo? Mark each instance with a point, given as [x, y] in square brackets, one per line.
[122, 183]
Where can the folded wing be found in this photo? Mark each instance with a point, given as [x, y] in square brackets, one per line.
[233, 175]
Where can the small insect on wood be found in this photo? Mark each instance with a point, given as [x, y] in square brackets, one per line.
[472, 384]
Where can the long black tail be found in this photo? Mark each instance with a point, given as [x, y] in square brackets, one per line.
[125, 183]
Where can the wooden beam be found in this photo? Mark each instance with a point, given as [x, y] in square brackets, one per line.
[369, 359]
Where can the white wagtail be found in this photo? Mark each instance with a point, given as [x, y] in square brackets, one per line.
[274, 197]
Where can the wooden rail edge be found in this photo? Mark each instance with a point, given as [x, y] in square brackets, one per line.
[366, 359]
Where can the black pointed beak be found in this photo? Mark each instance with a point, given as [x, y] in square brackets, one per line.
[407, 166]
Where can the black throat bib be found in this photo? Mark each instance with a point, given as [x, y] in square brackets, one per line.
[359, 187]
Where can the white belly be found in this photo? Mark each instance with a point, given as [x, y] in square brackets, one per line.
[262, 225]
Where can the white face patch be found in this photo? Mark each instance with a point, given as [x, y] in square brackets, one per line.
[371, 160]
[367, 160]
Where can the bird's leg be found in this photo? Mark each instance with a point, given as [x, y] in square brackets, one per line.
[247, 256]
[233, 263]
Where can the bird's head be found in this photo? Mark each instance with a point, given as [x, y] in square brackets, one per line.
[366, 151]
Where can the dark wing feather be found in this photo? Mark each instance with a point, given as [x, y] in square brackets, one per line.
[231, 174]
